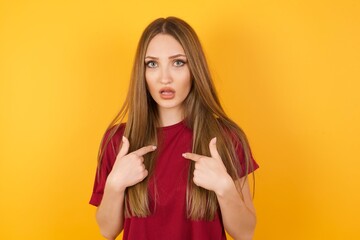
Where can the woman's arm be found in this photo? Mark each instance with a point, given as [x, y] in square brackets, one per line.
[110, 213]
[238, 214]
[127, 171]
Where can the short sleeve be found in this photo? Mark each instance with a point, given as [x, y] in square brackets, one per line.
[109, 157]
[241, 157]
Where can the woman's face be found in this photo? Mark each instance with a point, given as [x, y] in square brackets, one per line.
[167, 73]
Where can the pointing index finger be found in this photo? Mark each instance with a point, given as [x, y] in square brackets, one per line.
[192, 156]
[144, 150]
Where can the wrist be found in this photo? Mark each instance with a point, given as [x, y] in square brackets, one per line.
[114, 185]
[226, 185]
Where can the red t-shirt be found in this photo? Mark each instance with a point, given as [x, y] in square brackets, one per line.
[168, 219]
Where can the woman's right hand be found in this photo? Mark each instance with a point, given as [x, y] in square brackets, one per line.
[129, 168]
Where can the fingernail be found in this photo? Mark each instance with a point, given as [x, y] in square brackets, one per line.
[214, 140]
[184, 155]
[154, 147]
[123, 138]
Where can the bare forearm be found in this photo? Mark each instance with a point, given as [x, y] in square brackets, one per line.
[238, 218]
[110, 213]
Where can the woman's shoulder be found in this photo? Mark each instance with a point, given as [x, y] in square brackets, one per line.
[118, 128]
[235, 136]
[231, 130]
[113, 135]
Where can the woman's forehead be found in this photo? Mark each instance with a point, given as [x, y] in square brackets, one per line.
[163, 45]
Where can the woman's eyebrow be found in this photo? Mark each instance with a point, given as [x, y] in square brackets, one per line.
[177, 55]
[171, 57]
[151, 57]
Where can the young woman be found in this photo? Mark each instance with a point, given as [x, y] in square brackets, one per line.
[178, 167]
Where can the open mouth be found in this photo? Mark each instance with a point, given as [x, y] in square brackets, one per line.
[167, 93]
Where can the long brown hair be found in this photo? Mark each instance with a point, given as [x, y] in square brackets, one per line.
[203, 114]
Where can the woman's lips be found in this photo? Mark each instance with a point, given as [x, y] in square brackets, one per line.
[167, 93]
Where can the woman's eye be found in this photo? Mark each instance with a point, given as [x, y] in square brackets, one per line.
[151, 64]
[179, 63]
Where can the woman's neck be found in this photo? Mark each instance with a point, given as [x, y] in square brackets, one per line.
[170, 117]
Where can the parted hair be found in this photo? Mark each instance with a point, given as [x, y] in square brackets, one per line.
[203, 114]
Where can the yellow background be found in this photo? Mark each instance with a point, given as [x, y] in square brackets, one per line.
[286, 71]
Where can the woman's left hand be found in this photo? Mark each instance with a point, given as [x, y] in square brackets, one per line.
[210, 172]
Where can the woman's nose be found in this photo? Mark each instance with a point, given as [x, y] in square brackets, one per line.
[165, 77]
